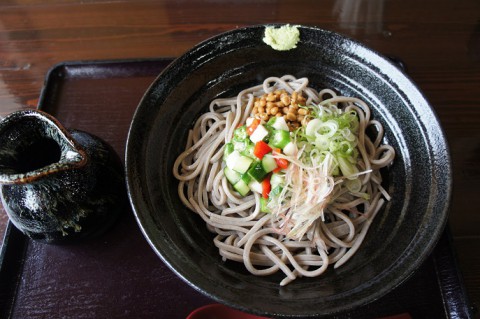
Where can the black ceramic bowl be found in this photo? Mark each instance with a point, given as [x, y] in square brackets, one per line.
[405, 230]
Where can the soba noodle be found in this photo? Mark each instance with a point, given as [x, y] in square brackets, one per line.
[258, 240]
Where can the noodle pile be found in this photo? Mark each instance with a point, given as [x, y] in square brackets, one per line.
[247, 235]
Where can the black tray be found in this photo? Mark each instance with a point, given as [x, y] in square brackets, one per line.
[118, 275]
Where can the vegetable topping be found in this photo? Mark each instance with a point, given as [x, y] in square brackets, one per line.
[295, 167]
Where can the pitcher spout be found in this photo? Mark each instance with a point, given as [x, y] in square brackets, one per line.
[34, 144]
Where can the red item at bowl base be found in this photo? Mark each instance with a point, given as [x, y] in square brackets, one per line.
[219, 311]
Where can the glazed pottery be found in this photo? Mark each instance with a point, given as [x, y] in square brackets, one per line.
[419, 180]
[57, 185]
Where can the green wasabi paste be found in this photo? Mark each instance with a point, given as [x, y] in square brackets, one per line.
[282, 39]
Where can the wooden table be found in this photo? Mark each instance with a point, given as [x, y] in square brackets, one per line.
[439, 41]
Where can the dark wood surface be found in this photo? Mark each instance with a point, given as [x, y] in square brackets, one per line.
[439, 41]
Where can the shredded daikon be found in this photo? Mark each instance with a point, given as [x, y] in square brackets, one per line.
[327, 159]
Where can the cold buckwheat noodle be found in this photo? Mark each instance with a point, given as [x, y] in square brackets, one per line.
[297, 240]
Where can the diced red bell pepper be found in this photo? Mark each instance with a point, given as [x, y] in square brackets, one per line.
[266, 187]
[281, 162]
[253, 126]
[261, 148]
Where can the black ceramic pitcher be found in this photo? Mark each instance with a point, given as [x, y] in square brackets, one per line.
[57, 185]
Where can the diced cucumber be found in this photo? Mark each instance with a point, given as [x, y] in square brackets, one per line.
[259, 134]
[232, 176]
[228, 149]
[255, 186]
[277, 179]
[241, 187]
[275, 191]
[269, 163]
[238, 162]
[280, 124]
[246, 178]
[263, 205]
[257, 172]
[290, 149]
[280, 138]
